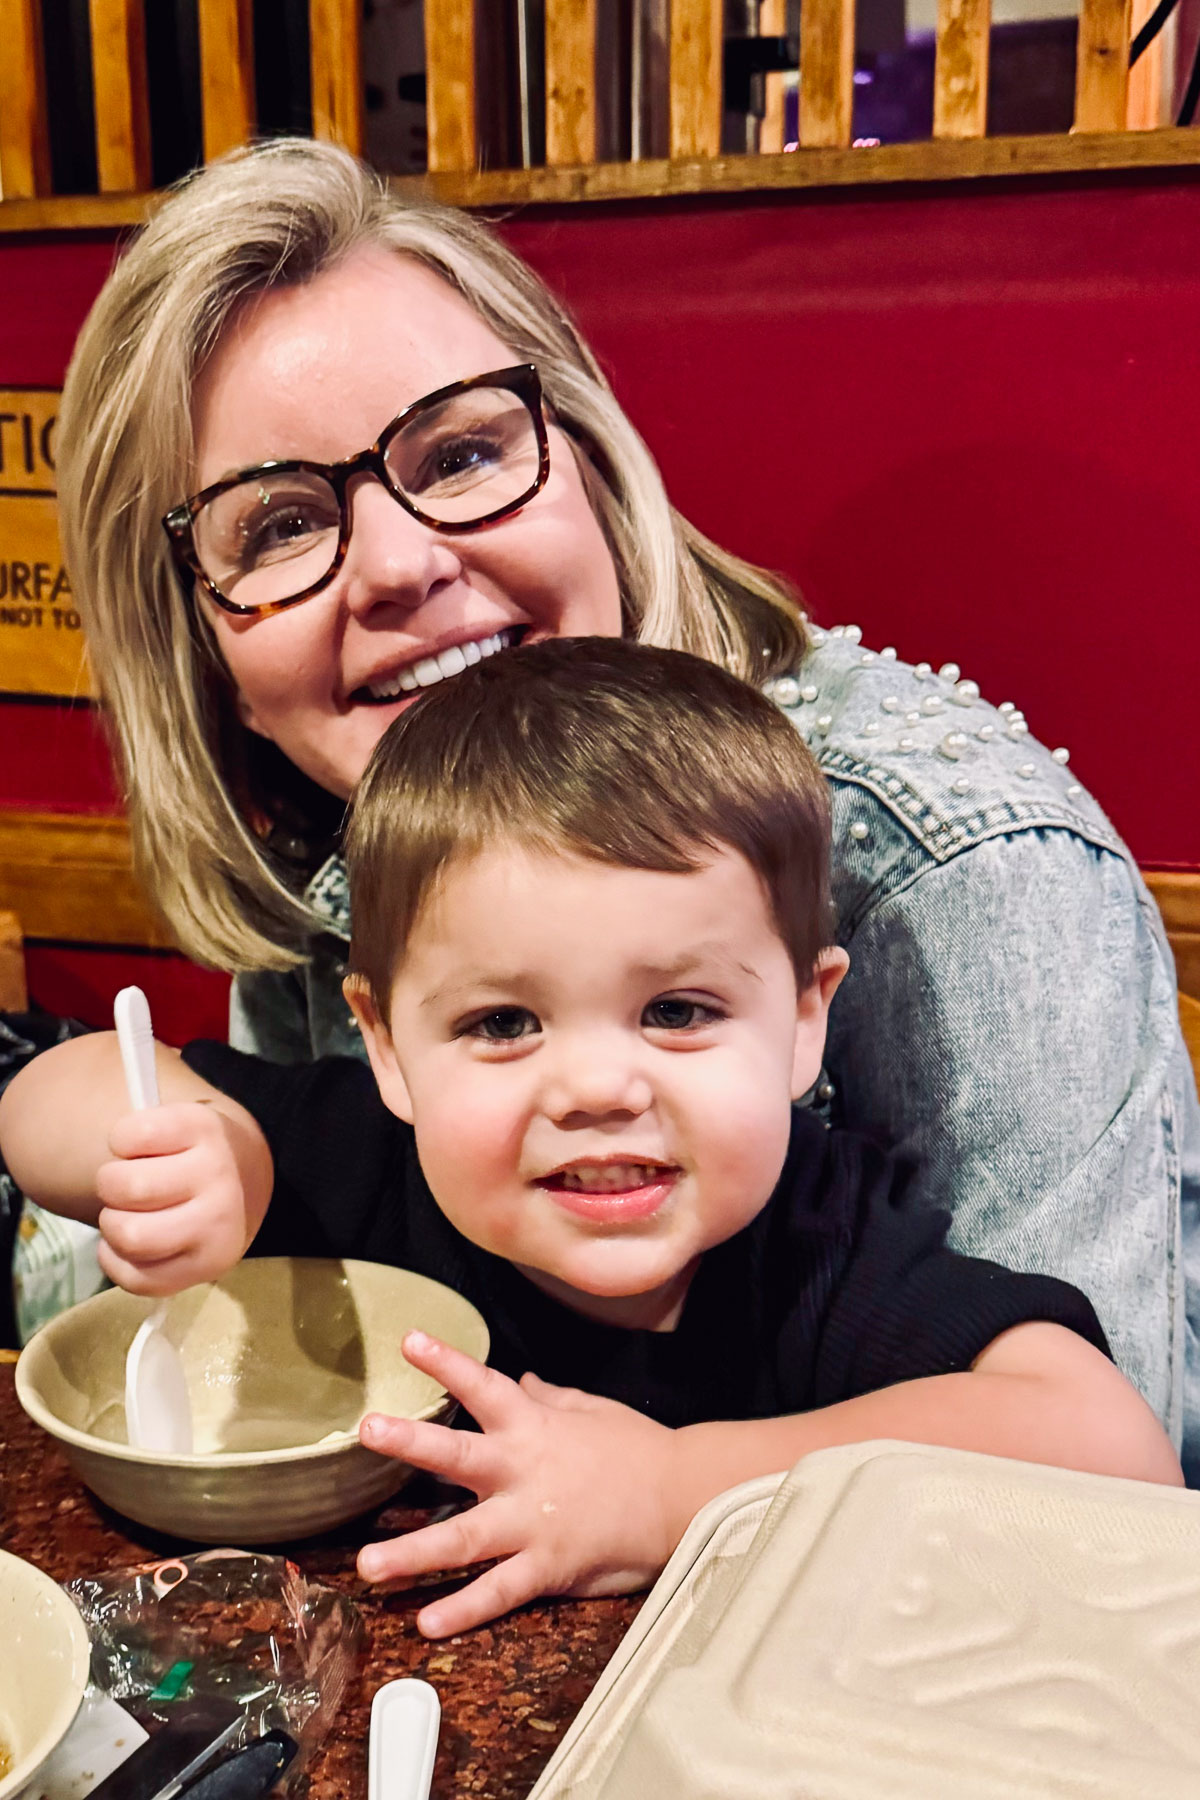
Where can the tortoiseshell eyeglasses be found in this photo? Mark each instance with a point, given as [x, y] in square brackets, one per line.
[266, 538]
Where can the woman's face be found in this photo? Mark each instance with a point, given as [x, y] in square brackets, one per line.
[317, 372]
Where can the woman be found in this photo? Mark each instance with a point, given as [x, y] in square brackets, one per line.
[1009, 1019]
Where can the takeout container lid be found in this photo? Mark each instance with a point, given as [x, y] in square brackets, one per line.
[925, 1624]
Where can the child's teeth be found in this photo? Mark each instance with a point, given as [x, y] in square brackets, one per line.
[608, 1178]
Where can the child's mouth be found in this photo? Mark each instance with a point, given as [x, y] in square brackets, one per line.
[611, 1190]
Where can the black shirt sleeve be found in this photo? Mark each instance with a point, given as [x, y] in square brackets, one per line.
[900, 1303]
[344, 1165]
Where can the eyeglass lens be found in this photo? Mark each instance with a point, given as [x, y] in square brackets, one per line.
[276, 534]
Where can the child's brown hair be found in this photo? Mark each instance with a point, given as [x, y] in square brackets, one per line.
[635, 756]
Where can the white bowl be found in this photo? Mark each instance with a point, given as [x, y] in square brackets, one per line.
[44, 1656]
[283, 1356]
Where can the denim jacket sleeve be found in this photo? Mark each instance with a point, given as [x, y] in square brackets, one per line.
[1010, 1018]
[294, 1015]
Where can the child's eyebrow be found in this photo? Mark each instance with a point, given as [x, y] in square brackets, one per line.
[692, 964]
[697, 959]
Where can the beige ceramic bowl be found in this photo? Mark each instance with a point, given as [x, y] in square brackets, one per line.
[283, 1357]
[43, 1669]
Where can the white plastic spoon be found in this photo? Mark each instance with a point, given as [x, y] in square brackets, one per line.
[158, 1412]
[405, 1716]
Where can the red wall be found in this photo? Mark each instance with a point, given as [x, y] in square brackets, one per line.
[962, 417]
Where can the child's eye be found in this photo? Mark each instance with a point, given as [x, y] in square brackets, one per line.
[672, 1014]
[503, 1025]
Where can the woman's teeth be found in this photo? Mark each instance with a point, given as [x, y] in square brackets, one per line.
[608, 1178]
[432, 669]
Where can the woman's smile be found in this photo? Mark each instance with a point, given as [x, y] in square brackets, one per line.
[434, 666]
[316, 371]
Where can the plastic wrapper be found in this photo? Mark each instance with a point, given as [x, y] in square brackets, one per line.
[223, 1624]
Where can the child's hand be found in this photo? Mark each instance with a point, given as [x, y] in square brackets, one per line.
[182, 1198]
[574, 1492]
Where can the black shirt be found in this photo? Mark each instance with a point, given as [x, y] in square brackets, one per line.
[838, 1287]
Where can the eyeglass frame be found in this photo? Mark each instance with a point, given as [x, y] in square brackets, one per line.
[522, 379]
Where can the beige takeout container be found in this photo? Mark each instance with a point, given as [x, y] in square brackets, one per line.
[283, 1356]
[894, 1622]
[44, 1656]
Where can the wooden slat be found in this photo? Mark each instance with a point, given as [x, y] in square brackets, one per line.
[1102, 65]
[1177, 894]
[571, 81]
[1148, 103]
[695, 79]
[826, 73]
[335, 39]
[971, 159]
[772, 22]
[226, 74]
[14, 995]
[450, 84]
[1189, 1019]
[70, 876]
[119, 86]
[24, 142]
[960, 73]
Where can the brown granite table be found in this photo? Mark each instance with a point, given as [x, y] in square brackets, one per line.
[508, 1691]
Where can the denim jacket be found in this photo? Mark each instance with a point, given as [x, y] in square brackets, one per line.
[1009, 1021]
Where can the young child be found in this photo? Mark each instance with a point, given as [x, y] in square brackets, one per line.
[591, 962]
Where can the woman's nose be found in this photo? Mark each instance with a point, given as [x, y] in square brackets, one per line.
[592, 1081]
[391, 557]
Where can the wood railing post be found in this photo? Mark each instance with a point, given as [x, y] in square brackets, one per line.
[226, 74]
[335, 59]
[826, 73]
[450, 84]
[571, 81]
[696, 48]
[960, 73]
[772, 22]
[1148, 105]
[24, 139]
[121, 100]
[1102, 65]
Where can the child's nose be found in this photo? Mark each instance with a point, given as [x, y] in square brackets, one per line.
[592, 1081]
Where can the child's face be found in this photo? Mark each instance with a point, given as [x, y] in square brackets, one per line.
[599, 1064]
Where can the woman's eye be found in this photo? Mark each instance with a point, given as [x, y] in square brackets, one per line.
[503, 1026]
[457, 462]
[288, 529]
[678, 1015]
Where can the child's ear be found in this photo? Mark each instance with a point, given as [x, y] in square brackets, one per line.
[381, 1052]
[812, 1017]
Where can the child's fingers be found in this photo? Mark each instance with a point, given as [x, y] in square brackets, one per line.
[465, 1458]
[151, 1237]
[510, 1584]
[490, 1397]
[161, 1130]
[155, 1279]
[149, 1183]
[469, 1537]
[562, 1399]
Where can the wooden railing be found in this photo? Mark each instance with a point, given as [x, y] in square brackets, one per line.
[1107, 105]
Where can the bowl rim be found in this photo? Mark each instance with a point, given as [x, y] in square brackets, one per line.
[334, 1443]
[70, 1699]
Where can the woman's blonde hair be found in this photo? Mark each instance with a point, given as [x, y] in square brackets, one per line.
[273, 215]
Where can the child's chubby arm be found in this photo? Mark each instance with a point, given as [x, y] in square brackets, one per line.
[580, 1495]
[178, 1191]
